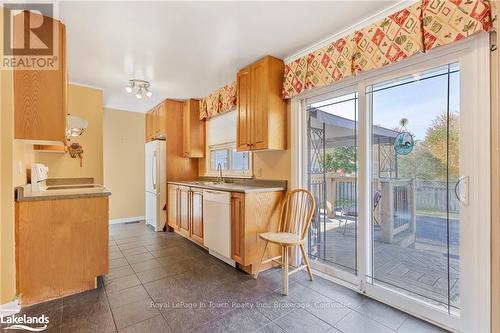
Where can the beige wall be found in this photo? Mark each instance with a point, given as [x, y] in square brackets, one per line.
[86, 103]
[124, 134]
[7, 256]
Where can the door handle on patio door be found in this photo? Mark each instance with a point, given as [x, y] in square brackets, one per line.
[464, 198]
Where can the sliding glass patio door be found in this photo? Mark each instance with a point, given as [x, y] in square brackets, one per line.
[390, 164]
[332, 164]
[415, 158]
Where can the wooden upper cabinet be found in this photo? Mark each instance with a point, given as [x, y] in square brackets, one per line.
[40, 95]
[193, 142]
[261, 123]
[161, 120]
[244, 97]
[196, 212]
[149, 126]
[156, 120]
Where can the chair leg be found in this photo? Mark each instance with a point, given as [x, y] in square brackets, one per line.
[376, 222]
[285, 270]
[304, 255]
[260, 262]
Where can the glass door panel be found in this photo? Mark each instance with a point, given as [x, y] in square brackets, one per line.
[415, 211]
[332, 177]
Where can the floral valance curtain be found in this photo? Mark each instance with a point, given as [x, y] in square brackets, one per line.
[220, 101]
[418, 28]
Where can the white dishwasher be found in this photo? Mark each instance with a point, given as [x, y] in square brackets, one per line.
[217, 224]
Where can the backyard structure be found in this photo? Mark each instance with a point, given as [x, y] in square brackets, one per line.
[415, 229]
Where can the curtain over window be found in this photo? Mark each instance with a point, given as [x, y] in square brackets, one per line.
[220, 101]
[418, 28]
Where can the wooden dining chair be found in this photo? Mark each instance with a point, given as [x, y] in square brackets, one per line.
[296, 214]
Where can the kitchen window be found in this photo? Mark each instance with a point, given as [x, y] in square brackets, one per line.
[233, 163]
[221, 148]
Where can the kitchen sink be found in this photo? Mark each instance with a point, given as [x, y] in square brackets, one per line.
[73, 187]
[207, 183]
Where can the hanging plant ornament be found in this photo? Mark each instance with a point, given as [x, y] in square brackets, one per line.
[75, 150]
[403, 143]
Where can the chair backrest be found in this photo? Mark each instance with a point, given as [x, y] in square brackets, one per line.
[296, 212]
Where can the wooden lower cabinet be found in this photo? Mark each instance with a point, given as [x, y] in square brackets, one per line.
[196, 218]
[172, 206]
[238, 227]
[251, 215]
[184, 210]
[61, 247]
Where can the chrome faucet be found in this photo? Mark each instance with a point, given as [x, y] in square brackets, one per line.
[219, 170]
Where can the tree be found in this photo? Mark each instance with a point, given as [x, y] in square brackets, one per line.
[341, 159]
[443, 141]
[421, 164]
[438, 154]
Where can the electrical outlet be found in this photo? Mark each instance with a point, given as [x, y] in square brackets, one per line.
[259, 172]
[20, 167]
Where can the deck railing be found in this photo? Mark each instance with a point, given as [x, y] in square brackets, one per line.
[337, 195]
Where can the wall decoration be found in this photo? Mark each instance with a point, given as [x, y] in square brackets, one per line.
[403, 143]
[76, 151]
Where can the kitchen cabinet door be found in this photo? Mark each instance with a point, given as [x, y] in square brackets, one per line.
[261, 122]
[156, 122]
[197, 215]
[161, 119]
[260, 107]
[40, 96]
[173, 206]
[238, 227]
[193, 130]
[184, 211]
[149, 126]
[243, 124]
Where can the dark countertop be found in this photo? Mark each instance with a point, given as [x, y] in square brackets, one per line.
[59, 192]
[242, 186]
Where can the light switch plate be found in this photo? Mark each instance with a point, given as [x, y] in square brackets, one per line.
[20, 167]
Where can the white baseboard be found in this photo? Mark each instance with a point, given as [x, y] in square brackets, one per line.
[9, 309]
[127, 219]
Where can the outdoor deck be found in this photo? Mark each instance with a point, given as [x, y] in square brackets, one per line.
[421, 269]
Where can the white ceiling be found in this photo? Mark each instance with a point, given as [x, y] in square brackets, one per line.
[188, 49]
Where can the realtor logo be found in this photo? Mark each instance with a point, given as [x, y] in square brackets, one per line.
[30, 36]
[25, 323]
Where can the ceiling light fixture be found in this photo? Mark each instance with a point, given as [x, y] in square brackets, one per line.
[142, 87]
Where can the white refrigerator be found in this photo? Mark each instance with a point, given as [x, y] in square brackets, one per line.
[156, 183]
